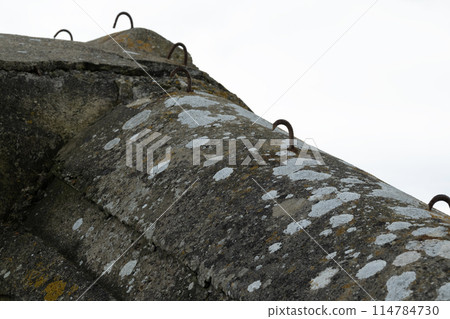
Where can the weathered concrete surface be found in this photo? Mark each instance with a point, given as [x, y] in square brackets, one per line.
[217, 234]
[52, 89]
[31, 269]
[141, 45]
[91, 235]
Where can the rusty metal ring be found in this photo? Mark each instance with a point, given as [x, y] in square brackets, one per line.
[182, 69]
[290, 130]
[123, 13]
[64, 30]
[179, 44]
[439, 198]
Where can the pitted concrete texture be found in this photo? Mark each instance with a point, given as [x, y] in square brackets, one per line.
[141, 45]
[238, 226]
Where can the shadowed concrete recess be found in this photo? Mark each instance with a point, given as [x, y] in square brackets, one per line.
[84, 181]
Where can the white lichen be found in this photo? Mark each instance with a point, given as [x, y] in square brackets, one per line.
[371, 269]
[308, 175]
[254, 286]
[322, 192]
[326, 232]
[399, 226]
[251, 116]
[387, 191]
[397, 286]
[340, 220]
[432, 247]
[444, 292]
[406, 258]
[411, 212]
[294, 227]
[77, 224]
[194, 118]
[274, 247]
[270, 195]
[108, 267]
[136, 120]
[348, 196]
[324, 278]
[128, 268]
[323, 207]
[331, 255]
[111, 144]
[191, 100]
[383, 239]
[351, 180]
[439, 231]
[293, 169]
[223, 173]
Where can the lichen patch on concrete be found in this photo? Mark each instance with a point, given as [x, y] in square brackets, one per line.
[136, 120]
[223, 174]
[274, 247]
[294, 227]
[432, 247]
[324, 278]
[254, 286]
[398, 226]
[371, 269]
[270, 195]
[444, 292]
[406, 258]
[412, 212]
[77, 224]
[108, 146]
[340, 220]
[384, 239]
[397, 286]
[439, 231]
[323, 207]
[128, 268]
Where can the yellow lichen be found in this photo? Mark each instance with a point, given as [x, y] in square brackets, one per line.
[54, 290]
[40, 281]
[72, 289]
[35, 278]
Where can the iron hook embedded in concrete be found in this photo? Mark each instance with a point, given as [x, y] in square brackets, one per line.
[123, 13]
[439, 198]
[179, 44]
[290, 130]
[64, 30]
[181, 69]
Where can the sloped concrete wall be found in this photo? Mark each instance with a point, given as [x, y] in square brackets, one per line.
[242, 227]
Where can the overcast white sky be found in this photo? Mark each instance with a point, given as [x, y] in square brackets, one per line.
[379, 98]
